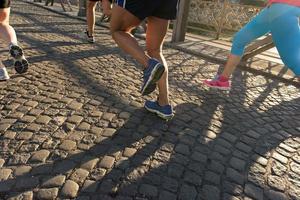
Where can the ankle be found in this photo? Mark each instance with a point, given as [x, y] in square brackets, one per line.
[223, 78]
[163, 103]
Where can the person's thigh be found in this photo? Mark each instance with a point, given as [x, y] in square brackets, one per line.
[256, 28]
[122, 20]
[156, 32]
[286, 36]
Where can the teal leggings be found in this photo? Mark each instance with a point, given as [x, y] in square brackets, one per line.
[282, 21]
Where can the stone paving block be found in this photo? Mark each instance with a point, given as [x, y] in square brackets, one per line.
[21, 195]
[69, 189]
[19, 159]
[197, 156]
[89, 163]
[107, 162]
[53, 181]
[108, 116]
[2, 161]
[280, 158]
[28, 183]
[233, 188]
[148, 190]
[237, 164]
[243, 147]
[275, 195]
[90, 186]
[22, 170]
[24, 135]
[43, 119]
[4, 174]
[84, 126]
[175, 170]
[212, 177]
[40, 156]
[9, 135]
[187, 192]
[47, 194]
[6, 186]
[96, 130]
[79, 175]
[4, 127]
[74, 105]
[192, 178]
[235, 176]
[254, 191]
[35, 112]
[129, 152]
[165, 195]
[33, 127]
[75, 119]
[276, 182]
[64, 167]
[67, 145]
[31, 103]
[108, 132]
[211, 192]
[27, 118]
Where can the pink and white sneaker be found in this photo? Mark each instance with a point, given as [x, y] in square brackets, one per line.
[219, 82]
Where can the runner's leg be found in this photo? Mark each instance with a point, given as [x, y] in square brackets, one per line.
[156, 31]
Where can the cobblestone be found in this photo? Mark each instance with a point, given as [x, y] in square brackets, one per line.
[4, 174]
[22, 170]
[40, 156]
[48, 194]
[70, 189]
[55, 181]
[74, 126]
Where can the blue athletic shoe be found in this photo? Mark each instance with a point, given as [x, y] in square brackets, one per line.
[165, 112]
[152, 74]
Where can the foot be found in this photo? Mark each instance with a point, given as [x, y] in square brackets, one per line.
[219, 82]
[90, 38]
[152, 74]
[20, 62]
[165, 112]
[3, 74]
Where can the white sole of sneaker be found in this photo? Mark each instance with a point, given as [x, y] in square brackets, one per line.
[216, 87]
[163, 116]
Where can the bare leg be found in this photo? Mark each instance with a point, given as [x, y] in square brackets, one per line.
[156, 31]
[121, 24]
[106, 6]
[90, 16]
[231, 65]
[6, 31]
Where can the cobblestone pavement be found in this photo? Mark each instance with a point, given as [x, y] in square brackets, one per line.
[74, 125]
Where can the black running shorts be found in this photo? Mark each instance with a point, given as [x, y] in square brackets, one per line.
[165, 9]
[4, 4]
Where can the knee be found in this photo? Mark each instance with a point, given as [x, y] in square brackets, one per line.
[239, 44]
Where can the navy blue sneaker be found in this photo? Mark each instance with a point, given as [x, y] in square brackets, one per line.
[165, 112]
[152, 74]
